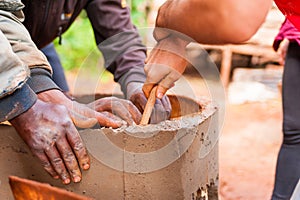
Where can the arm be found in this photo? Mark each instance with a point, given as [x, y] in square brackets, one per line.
[214, 21]
[124, 53]
[204, 21]
[118, 40]
[33, 119]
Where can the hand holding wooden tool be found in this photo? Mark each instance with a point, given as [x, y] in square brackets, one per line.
[149, 107]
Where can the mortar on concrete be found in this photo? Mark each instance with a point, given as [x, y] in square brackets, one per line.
[170, 160]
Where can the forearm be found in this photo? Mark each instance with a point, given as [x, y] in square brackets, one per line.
[214, 21]
[118, 40]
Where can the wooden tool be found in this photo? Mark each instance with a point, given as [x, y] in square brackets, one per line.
[149, 107]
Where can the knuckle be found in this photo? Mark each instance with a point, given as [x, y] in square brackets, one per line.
[57, 161]
[78, 146]
[60, 108]
[68, 157]
[74, 172]
[46, 165]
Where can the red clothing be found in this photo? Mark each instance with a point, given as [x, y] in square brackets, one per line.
[287, 31]
[291, 9]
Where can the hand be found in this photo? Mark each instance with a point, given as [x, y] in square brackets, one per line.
[77, 110]
[119, 107]
[51, 136]
[282, 50]
[165, 64]
[162, 108]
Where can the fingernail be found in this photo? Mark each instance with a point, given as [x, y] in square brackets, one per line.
[67, 181]
[77, 179]
[86, 166]
[56, 177]
[160, 95]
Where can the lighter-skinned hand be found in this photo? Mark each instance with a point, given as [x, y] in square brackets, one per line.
[52, 137]
[165, 65]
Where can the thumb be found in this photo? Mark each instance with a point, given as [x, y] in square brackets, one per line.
[82, 121]
[161, 91]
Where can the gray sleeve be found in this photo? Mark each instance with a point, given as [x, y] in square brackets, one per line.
[118, 40]
[17, 54]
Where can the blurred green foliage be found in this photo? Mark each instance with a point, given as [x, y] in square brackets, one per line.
[79, 48]
[139, 9]
[77, 44]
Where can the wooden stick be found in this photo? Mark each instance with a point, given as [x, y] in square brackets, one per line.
[149, 107]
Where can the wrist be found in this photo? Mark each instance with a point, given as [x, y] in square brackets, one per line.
[17, 103]
[55, 96]
[134, 75]
[20, 119]
[40, 80]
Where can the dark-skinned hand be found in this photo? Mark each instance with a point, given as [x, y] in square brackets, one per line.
[104, 118]
[49, 132]
[162, 108]
[119, 107]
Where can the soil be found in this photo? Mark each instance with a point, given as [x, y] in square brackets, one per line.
[249, 143]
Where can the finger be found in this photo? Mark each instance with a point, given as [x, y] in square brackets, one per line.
[69, 159]
[157, 113]
[134, 111]
[109, 120]
[122, 108]
[58, 164]
[161, 91]
[82, 121]
[78, 147]
[139, 100]
[170, 79]
[155, 75]
[102, 119]
[123, 112]
[100, 105]
[126, 110]
[167, 106]
[167, 83]
[111, 116]
[46, 164]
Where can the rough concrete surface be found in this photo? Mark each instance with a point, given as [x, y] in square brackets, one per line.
[176, 159]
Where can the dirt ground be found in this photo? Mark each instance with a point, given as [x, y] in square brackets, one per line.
[249, 142]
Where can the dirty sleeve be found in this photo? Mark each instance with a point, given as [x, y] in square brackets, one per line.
[18, 55]
[16, 96]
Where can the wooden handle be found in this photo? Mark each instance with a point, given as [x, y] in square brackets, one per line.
[149, 107]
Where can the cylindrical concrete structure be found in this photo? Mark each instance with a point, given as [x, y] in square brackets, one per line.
[175, 159]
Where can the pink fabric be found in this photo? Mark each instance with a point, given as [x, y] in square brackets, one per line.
[287, 31]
